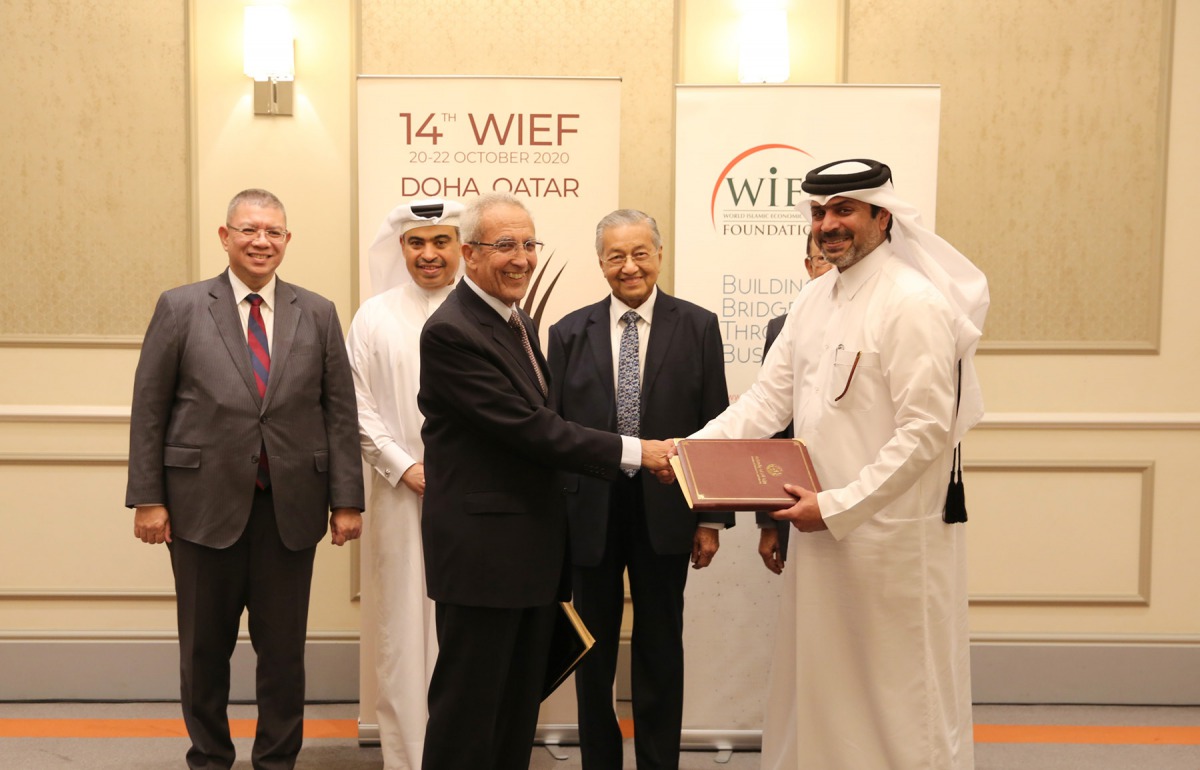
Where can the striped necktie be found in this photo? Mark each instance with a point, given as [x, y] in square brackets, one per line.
[515, 322]
[260, 362]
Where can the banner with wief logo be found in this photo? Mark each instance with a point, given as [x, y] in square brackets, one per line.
[552, 142]
[741, 153]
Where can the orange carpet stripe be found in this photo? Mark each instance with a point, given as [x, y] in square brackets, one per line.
[154, 728]
[1094, 734]
[348, 729]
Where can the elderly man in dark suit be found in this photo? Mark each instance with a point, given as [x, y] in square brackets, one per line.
[643, 363]
[494, 534]
[243, 449]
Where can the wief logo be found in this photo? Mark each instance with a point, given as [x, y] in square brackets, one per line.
[758, 190]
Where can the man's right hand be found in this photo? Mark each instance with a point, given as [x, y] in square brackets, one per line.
[655, 458]
[152, 524]
[414, 478]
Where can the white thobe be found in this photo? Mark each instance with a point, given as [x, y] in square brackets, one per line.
[383, 341]
[871, 663]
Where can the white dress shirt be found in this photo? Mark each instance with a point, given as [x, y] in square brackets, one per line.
[267, 308]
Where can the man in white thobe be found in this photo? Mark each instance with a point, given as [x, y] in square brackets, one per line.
[414, 264]
[871, 663]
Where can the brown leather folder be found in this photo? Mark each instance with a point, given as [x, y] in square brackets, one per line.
[742, 474]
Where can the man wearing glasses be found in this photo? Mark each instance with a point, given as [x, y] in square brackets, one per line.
[494, 533]
[643, 363]
[875, 365]
[243, 452]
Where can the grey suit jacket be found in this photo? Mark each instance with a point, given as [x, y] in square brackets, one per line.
[198, 423]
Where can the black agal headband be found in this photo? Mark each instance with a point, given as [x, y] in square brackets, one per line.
[816, 183]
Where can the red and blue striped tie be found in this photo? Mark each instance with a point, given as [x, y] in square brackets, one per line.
[260, 362]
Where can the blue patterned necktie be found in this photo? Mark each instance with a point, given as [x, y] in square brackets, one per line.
[629, 390]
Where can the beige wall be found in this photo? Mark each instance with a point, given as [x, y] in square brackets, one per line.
[1087, 526]
[1045, 109]
[1082, 511]
[64, 425]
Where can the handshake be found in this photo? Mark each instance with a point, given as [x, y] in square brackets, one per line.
[656, 457]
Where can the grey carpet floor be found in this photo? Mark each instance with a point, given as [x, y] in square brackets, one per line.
[346, 754]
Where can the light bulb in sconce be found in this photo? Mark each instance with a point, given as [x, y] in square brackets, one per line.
[763, 55]
[268, 55]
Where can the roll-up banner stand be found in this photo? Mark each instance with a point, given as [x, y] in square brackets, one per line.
[552, 142]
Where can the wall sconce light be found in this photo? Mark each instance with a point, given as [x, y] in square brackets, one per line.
[268, 54]
[763, 42]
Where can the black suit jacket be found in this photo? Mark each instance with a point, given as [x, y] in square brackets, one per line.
[197, 422]
[493, 534]
[683, 387]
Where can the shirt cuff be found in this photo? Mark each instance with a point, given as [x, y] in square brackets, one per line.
[393, 462]
[712, 524]
[631, 453]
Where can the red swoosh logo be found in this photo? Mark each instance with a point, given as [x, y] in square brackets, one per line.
[712, 206]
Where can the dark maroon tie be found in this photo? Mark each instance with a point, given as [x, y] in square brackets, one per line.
[260, 362]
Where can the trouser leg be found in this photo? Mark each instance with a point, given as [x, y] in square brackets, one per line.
[278, 596]
[210, 586]
[656, 584]
[598, 594]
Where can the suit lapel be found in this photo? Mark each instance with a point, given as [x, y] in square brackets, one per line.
[599, 340]
[508, 340]
[287, 319]
[504, 336]
[229, 325]
[666, 320]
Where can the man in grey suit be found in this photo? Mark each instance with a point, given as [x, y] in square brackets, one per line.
[243, 448]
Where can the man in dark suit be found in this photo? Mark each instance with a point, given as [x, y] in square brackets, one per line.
[494, 534]
[773, 535]
[243, 449]
[662, 356]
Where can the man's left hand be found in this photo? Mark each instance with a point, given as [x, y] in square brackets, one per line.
[705, 543]
[345, 524]
[805, 515]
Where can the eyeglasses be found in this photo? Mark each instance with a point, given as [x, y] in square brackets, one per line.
[508, 247]
[251, 233]
[619, 261]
